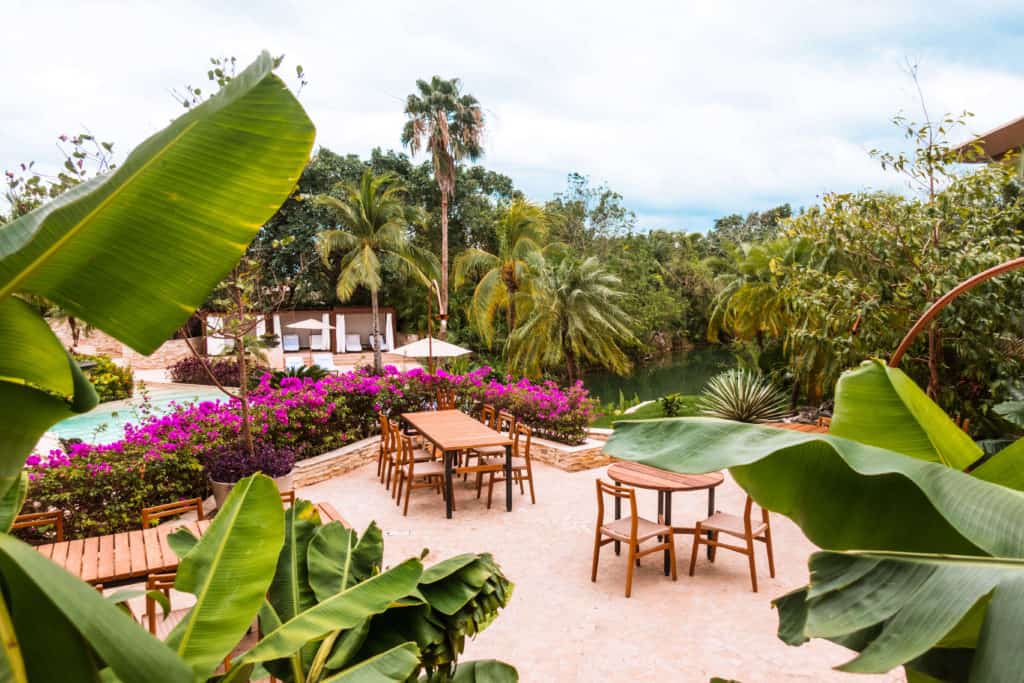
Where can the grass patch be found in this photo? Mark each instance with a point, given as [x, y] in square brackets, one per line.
[651, 411]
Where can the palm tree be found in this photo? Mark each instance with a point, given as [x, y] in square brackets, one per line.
[575, 317]
[504, 277]
[450, 125]
[374, 230]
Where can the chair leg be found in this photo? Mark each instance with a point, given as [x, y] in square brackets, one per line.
[490, 489]
[529, 476]
[753, 563]
[399, 482]
[672, 555]
[768, 547]
[714, 548]
[479, 484]
[519, 476]
[597, 554]
[696, 544]
[629, 569]
[408, 490]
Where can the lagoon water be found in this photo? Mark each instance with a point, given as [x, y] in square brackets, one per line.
[685, 373]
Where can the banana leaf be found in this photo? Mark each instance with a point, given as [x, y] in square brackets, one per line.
[337, 558]
[485, 671]
[341, 611]
[912, 603]
[396, 664]
[845, 495]
[229, 571]
[12, 501]
[881, 406]
[1011, 411]
[160, 231]
[54, 613]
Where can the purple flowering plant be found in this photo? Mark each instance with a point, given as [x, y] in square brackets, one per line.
[162, 458]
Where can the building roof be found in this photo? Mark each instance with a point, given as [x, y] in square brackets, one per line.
[994, 144]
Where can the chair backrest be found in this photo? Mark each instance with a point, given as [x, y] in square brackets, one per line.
[620, 492]
[54, 518]
[488, 414]
[288, 497]
[505, 422]
[748, 525]
[404, 448]
[157, 581]
[445, 399]
[352, 343]
[290, 342]
[385, 425]
[156, 512]
[522, 436]
[294, 362]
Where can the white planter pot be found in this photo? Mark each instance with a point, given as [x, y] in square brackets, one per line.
[221, 490]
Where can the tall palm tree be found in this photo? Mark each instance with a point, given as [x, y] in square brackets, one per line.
[505, 277]
[450, 125]
[575, 317]
[373, 231]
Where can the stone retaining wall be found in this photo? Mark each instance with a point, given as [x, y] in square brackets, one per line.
[335, 463]
[347, 458]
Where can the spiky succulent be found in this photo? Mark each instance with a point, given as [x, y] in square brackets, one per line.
[742, 396]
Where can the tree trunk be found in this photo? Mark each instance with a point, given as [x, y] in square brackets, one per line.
[570, 366]
[377, 367]
[243, 395]
[510, 310]
[443, 332]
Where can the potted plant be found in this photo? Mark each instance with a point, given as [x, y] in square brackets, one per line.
[233, 462]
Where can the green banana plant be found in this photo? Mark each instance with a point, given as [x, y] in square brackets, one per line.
[159, 232]
[923, 563]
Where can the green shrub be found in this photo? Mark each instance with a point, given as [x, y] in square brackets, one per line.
[742, 396]
[112, 382]
[673, 405]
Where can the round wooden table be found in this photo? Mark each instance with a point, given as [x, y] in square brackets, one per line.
[665, 483]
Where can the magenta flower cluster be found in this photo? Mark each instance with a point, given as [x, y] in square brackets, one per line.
[163, 457]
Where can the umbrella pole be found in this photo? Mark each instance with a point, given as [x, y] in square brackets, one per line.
[430, 335]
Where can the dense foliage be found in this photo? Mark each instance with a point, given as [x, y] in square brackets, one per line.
[191, 370]
[111, 381]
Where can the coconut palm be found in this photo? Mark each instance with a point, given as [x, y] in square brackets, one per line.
[374, 231]
[505, 277]
[450, 125]
[575, 317]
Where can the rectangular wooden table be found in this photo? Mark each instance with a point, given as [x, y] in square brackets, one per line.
[116, 558]
[453, 431]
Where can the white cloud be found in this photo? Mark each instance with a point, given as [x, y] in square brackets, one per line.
[688, 109]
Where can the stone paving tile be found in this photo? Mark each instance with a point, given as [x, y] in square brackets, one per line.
[561, 627]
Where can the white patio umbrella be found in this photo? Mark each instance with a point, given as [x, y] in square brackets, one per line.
[310, 324]
[430, 349]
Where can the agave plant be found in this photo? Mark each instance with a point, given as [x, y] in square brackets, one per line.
[742, 396]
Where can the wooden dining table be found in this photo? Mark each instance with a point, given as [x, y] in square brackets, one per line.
[452, 432]
[130, 555]
[665, 483]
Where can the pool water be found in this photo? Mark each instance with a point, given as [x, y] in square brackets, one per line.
[685, 373]
[106, 422]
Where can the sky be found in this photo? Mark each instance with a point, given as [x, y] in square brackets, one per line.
[691, 110]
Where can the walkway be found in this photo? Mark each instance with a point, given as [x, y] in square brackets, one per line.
[561, 627]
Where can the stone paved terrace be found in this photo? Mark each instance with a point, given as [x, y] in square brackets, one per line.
[561, 627]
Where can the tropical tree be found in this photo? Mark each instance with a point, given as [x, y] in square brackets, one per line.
[450, 125]
[504, 277]
[575, 317]
[374, 232]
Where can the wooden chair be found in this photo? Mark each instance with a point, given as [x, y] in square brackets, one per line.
[445, 399]
[412, 473]
[521, 471]
[382, 450]
[163, 582]
[488, 415]
[288, 498]
[501, 421]
[740, 527]
[631, 530]
[156, 512]
[54, 518]
[393, 453]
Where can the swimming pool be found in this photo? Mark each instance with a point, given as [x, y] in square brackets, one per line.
[106, 423]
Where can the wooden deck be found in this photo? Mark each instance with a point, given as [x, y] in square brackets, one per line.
[134, 554]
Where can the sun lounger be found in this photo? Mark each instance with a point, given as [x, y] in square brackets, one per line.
[352, 343]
